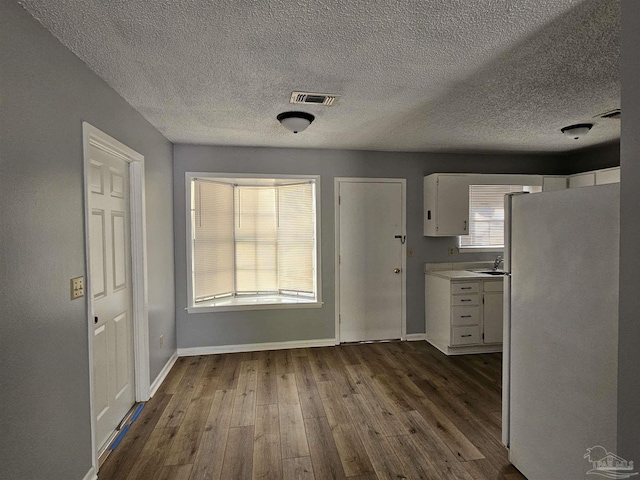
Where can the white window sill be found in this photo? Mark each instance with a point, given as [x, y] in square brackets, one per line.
[254, 303]
[480, 249]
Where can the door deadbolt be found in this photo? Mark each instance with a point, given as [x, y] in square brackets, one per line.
[396, 270]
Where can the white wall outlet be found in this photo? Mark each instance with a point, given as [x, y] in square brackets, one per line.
[77, 287]
[161, 340]
[409, 251]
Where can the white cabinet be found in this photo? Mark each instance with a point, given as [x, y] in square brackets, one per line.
[464, 316]
[608, 175]
[492, 303]
[554, 183]
[446, 205]
[596, 177]
[582, 180]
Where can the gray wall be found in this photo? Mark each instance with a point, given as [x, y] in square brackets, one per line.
[629, 327]
[231, 328]
[602, 156]
[45, 94]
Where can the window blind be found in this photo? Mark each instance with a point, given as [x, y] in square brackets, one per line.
[213, 249]
[296, 239]
[256, 239]
[253, 239]
[486, 215]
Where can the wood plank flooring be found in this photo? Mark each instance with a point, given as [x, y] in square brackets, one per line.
[394, 410]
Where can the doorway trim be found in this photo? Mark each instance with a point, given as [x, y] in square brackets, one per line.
[336, 208]
[140, 305]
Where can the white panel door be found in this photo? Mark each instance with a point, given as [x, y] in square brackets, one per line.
[370, 262]
[110, 256]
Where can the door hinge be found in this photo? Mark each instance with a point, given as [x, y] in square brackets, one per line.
[339, 318]
[339, 200]
[483, 300]
[483, 335]
[339, 259]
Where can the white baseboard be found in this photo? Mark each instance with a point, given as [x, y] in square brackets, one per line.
[91, 474]
[416, 337]
[162, 375]
[255, 347]
[467, 350]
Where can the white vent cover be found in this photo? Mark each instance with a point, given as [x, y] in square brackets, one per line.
[615, 113]
[307, 98]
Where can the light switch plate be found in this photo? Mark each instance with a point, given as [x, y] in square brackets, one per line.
[77, 287]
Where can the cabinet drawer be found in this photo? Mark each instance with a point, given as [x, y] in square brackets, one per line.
[470, 299]
[465, 335]
[493, 286]
[465, 315]
[467, 287]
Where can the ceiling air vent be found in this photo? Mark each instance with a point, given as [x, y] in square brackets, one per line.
[615, 113]
[306, 98]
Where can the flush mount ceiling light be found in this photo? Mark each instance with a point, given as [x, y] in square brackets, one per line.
[577, 131]
[295, 121]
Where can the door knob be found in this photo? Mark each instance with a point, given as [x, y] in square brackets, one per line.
[396, 270]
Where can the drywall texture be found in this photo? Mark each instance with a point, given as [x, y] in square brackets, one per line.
[45, 94]
[629, 326]
[428, 75]
[229, 328]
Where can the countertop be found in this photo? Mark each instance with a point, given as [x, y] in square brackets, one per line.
[463, 275]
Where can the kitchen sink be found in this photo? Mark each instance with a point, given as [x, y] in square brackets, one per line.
[489, 272]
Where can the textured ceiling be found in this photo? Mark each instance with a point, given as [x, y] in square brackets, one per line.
[422, 75]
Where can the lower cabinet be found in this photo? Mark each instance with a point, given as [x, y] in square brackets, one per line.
[464, 316]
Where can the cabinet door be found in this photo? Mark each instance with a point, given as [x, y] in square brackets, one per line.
[492, 317]
[582, 180]
[554, 183]
[453, 205]
[609, 175]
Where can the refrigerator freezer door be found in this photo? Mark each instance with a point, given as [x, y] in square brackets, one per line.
[564, 315]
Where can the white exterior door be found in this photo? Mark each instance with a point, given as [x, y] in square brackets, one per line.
[110, 257]
[371, 273]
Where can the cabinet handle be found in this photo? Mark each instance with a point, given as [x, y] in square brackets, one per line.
[465, 300]
[465, 316]
[465, 225]
[468, 335]
[465, 288]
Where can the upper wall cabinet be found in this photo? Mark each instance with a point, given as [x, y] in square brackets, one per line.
[446, 205]
[597, 177]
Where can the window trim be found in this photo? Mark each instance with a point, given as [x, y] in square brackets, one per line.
[240, 305]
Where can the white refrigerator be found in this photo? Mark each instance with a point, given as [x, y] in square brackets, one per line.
[561, 329]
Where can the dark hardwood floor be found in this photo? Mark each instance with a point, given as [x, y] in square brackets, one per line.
[394, 410]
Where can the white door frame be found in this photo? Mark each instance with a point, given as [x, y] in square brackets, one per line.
[336, 195]
[98, 139]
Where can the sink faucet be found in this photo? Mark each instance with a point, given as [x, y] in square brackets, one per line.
[497, 262]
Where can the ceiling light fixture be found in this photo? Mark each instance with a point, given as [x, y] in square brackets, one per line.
[295, 121]
[577, 131]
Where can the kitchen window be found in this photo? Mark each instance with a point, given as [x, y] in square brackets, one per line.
[252, 242]
[486, 216]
